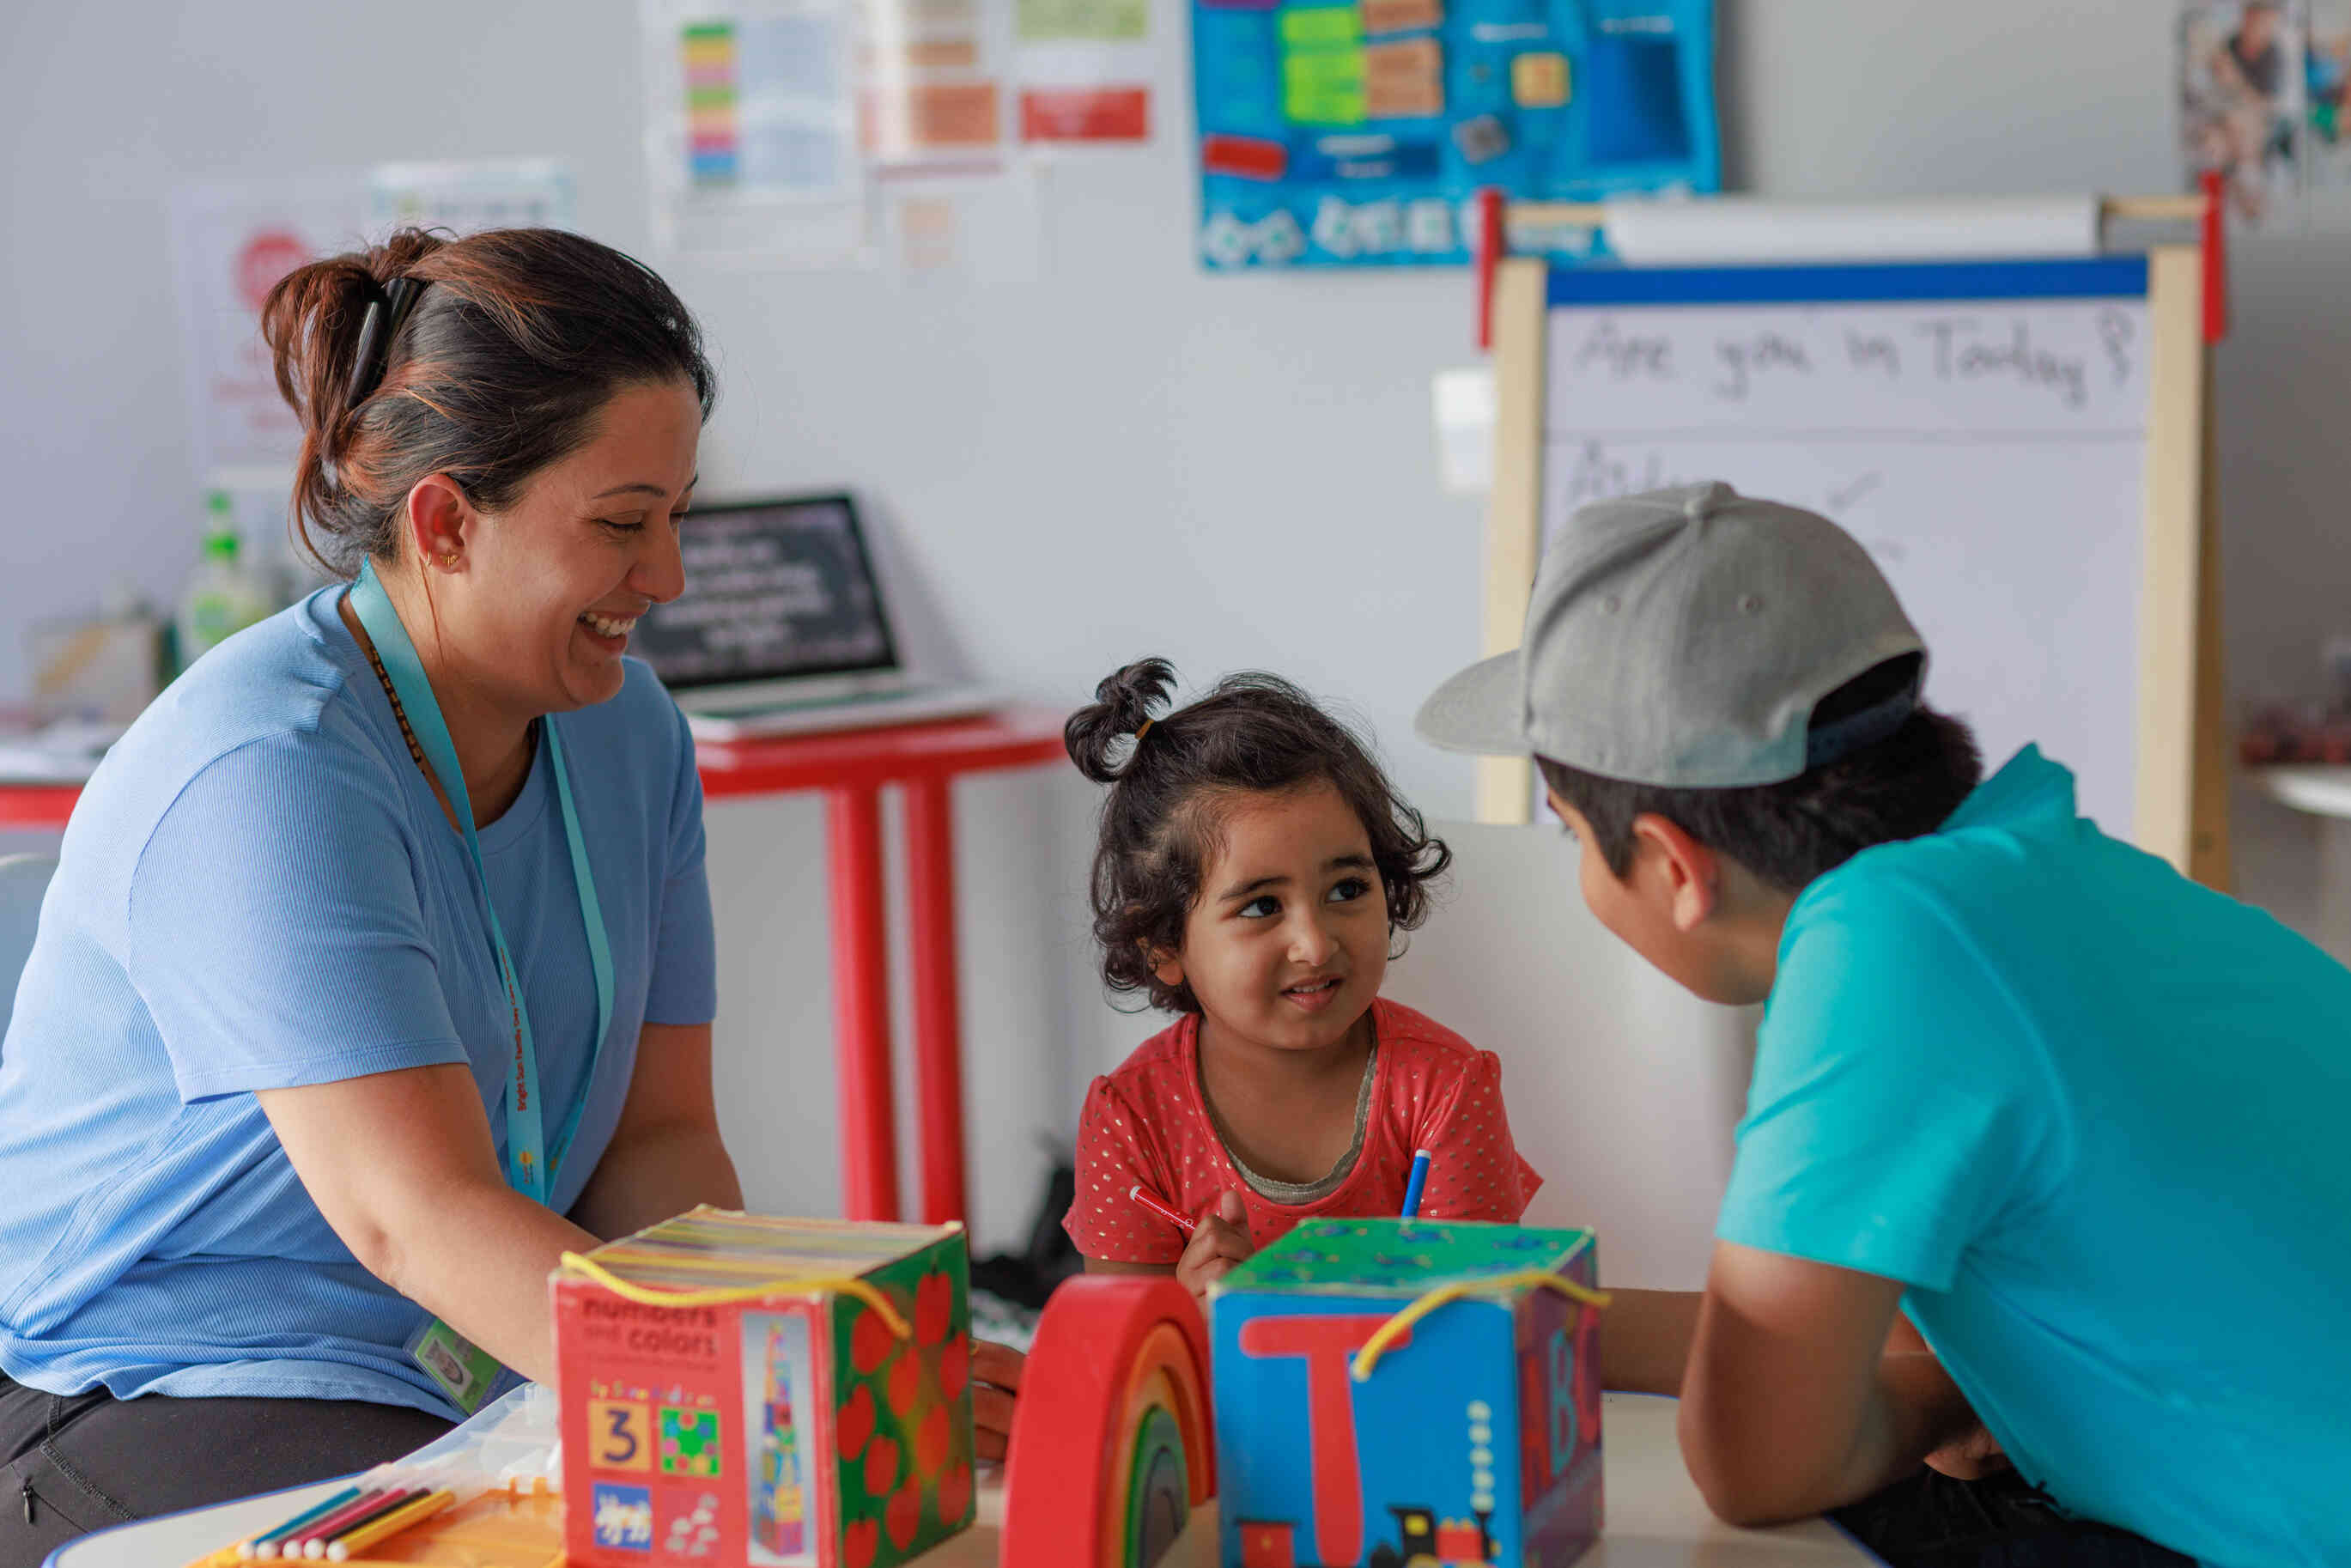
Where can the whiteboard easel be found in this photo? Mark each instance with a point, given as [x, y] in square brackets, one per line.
[2178, 767]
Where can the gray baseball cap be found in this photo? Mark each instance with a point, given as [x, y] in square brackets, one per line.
[1682, 638]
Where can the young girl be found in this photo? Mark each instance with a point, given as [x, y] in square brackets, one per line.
[1254, 868]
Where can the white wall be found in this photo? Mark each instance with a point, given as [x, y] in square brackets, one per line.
[1623, 1088]
[1122, 457]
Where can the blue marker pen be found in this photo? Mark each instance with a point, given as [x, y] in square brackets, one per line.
[1413, 1183]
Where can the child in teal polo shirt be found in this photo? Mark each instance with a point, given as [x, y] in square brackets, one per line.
[2076, 1118]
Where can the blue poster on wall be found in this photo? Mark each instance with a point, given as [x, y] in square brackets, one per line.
[1357, 133]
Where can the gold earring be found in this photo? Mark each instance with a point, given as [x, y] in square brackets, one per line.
[450, 561]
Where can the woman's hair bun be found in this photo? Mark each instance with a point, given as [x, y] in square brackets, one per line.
[311, 323]
[1123, 704]
[510, 343]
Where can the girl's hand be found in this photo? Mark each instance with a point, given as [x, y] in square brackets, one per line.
[1221, 1240]
[995, 1389]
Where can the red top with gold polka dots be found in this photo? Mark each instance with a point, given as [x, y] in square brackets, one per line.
[1148, 1123]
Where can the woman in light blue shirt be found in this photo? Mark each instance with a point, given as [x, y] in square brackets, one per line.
[377, 972]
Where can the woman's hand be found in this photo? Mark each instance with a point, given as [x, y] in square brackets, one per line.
[996, 1371]
[1221, 1240]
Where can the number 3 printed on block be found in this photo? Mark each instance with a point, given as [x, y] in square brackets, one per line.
[616, 1435]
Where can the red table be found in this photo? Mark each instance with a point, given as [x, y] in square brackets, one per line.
[38, 808]
[852, 766]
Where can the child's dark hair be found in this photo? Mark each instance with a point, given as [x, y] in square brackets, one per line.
[1170, 791]
[1898, 788]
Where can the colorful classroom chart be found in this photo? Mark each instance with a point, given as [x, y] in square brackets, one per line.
[1357, 134]
[751, 129]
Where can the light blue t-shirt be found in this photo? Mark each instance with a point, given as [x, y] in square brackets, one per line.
[2094, 1116]
[258, 891]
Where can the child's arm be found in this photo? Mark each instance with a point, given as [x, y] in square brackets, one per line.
[1645, 1339]
[1220, 1239]
[1644, 1345]
[1116, 1233]
[1790, 1402]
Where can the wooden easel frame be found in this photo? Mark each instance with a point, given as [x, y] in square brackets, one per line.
[2181, 792]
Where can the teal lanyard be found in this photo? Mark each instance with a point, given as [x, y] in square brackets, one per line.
[530, 1162]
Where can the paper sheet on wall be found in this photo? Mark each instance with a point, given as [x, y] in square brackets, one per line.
[989, 231]
[231, 241]
[751, 130]
[2241, 89]
[2326, 139]
[1989, 454]
[472, 195]
[2265, 99]
[1086, 68]
[936, 83]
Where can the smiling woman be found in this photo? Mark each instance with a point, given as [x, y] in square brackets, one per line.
[377, 969]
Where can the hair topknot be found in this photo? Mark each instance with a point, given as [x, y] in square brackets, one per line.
[1123, 704]
[1170, 792]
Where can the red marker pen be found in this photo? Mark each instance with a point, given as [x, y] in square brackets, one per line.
[1161, 1207]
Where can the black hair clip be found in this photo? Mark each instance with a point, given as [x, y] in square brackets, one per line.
[385, 313]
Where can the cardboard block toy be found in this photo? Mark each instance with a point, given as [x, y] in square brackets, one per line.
[1408, 1394]
[743, 1392]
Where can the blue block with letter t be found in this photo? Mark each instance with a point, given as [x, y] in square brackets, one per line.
[1409, 1393]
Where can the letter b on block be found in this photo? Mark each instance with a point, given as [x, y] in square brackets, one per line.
[1561, 1395]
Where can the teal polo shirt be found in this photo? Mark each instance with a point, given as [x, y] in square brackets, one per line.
[2093, 1117]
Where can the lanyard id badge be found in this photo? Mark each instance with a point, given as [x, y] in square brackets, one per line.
[468, 1375]
[531, 1162]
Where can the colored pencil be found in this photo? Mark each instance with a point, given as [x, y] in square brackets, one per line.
[1413, 1183]
[415, 1511]
[314, 1540]
[1161, 1207]
[291, 1545]
[316, 1548]
[265, 1544]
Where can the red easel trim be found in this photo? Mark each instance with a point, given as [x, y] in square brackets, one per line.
[1490, 254]
[2216, 257]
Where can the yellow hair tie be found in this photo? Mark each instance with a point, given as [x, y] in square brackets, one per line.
[1144, 731]
[1395, 1329]
[719, 1296]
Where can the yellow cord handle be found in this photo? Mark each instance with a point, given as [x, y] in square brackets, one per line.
[1395, 1329]
[719, 1296]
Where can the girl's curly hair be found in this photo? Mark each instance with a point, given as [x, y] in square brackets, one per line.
[1172, 790]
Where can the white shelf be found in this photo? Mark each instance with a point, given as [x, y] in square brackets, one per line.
[2323, 790]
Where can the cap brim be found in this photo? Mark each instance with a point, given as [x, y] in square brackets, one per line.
[1478, 710]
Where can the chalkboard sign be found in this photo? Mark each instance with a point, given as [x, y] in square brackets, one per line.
[773, 589]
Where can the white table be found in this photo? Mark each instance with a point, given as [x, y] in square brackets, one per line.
[2324, 792]
[1655, 1519]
